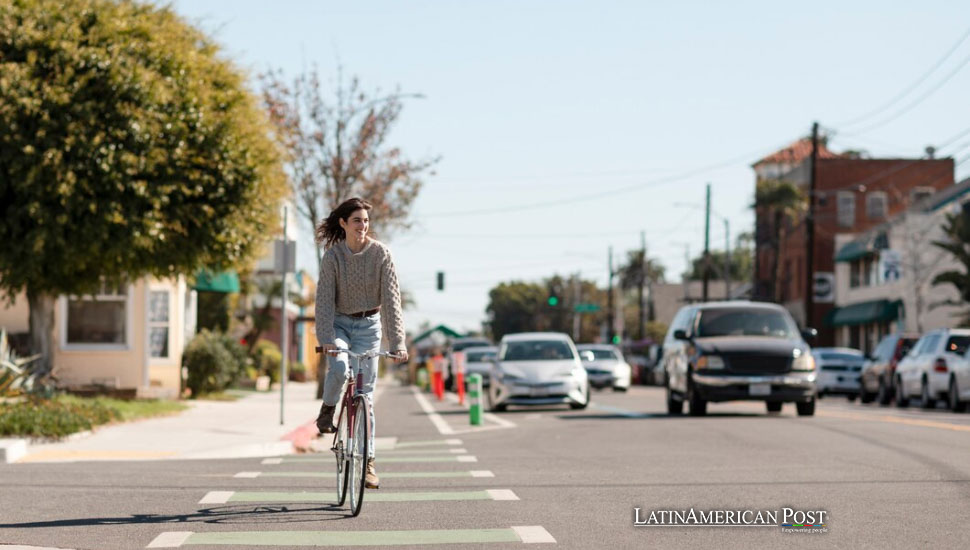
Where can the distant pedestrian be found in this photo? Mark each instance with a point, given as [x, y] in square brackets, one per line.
[358, 300]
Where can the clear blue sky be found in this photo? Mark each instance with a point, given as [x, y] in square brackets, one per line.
[533, 102]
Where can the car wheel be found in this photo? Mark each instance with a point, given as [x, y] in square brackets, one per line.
[695, 405]
[493, 406]
[956, 404]
[926, 401]
[773, 406]
[885, 393]
[619, 388]
[901, 400]
[806, 408]
[674, 405]
[850, 397]
[865, 396]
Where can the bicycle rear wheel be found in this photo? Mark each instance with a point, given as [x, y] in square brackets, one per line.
[340, 451]
[359, 450]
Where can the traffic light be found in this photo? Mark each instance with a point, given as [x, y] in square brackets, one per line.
[616, 338]
[554, 300]
[441, 280]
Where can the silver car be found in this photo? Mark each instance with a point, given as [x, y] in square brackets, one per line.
[839, 371]
[538, 368]
[478, 360]
[605, 366]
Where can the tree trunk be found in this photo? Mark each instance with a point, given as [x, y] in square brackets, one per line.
[42, 328]
[775, 252]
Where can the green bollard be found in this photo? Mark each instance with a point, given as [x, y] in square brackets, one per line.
[422, 375]
[475, 399]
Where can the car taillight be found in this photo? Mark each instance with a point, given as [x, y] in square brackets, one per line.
[940, 365]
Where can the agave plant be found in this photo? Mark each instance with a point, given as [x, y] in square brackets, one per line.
[16, 375]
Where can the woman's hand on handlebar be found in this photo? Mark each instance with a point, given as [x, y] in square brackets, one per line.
[327, 349]
[401, 356]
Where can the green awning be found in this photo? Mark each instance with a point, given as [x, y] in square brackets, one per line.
[863, 246]
[444, 329]
[226, 281]
[875, 311]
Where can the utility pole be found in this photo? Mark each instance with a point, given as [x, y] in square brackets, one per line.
[284, 321]
[727, 260]
[810, 230]
[611, 331]
[643, 277]
[576, 302]
[707, 242]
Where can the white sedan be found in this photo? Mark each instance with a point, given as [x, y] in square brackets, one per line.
[538, 368]
[605, 366]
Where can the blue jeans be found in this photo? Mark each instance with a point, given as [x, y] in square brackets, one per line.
[359, 334]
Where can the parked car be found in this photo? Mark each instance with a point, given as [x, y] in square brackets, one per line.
[478, 360]
[538, 368]
[605, 366]
[838, 371]
[725, 351]
[879, 370]
[460, 344]
[926, 371]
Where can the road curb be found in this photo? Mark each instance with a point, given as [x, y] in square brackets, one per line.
[12, 450]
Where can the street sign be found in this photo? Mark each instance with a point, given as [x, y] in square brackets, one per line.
[586, 308]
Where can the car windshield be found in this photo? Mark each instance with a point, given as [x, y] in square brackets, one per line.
[602, 354]
[537, 350]
[458, 346]
[957, 344]
[480, 356]
[744, 322]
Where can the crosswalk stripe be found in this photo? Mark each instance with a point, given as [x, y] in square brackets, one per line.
[272, 460]
[472, 473]
[428, 443]
[171, 539]
[216, 497]
[533, 534]
[381, 459]
[319, 496]
[529, 534]
[396, 452]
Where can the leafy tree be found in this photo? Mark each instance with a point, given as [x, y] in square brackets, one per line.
[524, 307]
[957, 243]
[778, 203]
[638, 272]
[337, 148]
[130, 147]
[741, 263]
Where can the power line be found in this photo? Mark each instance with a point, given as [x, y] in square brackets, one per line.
[911, 87]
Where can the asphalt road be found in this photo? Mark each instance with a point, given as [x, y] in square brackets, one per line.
[885, 478]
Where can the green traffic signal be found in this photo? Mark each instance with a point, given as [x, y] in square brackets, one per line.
[616, 338]
[553, 300]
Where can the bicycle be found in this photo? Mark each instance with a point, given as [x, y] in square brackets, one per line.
[351, 438]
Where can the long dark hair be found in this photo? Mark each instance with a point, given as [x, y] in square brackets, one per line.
[329, 230]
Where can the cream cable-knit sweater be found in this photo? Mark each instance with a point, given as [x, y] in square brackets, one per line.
[351, 283]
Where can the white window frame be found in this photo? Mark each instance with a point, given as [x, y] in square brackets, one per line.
[871, 199]
[841, 217]
[129, 313]
[149, 324]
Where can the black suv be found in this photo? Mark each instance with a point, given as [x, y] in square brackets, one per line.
[727, 351]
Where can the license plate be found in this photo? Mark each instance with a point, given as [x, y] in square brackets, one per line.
[540, 392]
[760, 389]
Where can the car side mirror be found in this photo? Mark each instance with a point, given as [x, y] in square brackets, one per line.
[680, 334]
[809, 334]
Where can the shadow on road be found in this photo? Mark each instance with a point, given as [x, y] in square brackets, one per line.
[221, 515]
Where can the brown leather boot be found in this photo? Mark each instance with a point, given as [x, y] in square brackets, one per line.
[371, 481]
[325, 419]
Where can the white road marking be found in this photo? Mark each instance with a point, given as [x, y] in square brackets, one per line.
[249, 475]
[466, 458]
[216, 497]
[272, 461]
[533, 534]
[482, 473]
[435, 418]
[170, 539]
[501, 494]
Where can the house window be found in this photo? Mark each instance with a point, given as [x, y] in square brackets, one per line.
[877, 205]
[920, 193]
[158, 323]
[845, 207]
[98, 319]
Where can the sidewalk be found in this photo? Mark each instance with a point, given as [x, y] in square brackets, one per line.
[247, 427]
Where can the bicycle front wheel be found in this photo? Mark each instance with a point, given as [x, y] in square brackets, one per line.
[340, 451]
[359, 450]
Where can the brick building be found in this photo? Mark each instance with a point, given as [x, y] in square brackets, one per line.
[852, 195]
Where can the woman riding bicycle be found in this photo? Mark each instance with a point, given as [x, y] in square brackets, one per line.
[357, 299]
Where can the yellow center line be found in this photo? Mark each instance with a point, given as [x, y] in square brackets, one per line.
[896, 420]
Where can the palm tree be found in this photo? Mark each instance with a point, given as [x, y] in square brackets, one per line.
[957, 242]
[781, 202]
